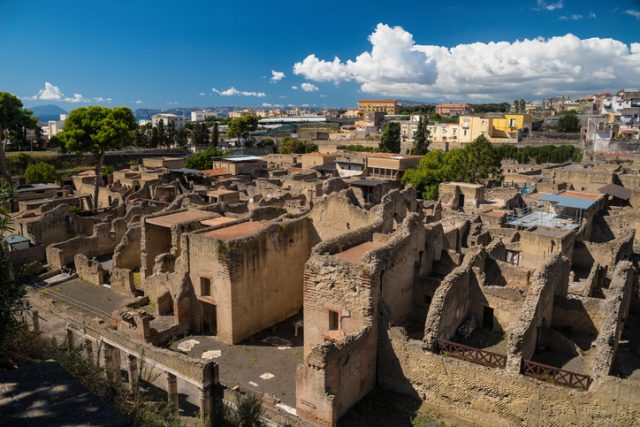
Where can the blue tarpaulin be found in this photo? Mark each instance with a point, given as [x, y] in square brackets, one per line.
[567, 201]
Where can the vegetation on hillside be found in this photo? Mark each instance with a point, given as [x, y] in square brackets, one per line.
[390, 140]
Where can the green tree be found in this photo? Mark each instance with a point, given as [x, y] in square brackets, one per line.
[96, 130]
[241, 126]
[215, 135]
[203, 159]
[477, 162]
[161, 129]
[568, 122]
[11, 292]
[182, 137]
[421, 138]
[200, 135]
[172, 133]
[296, 146]
[390, 141]
[13, 120]
[40, 172]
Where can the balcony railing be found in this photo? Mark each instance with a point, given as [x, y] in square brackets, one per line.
[472, 354]
[555, 375]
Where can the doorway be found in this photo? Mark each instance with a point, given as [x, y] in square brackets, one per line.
[209, 318]
[461, 201]
[487, 318]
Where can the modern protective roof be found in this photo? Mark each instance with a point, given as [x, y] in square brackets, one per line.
[616, 191]
[366, 182]
[235, 231]
[13, 239]
[187, 171]
[568, 201]
[239, 158]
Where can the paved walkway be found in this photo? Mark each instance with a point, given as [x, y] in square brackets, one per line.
[264, 364]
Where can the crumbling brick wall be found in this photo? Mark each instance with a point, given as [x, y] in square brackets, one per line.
[101, 242]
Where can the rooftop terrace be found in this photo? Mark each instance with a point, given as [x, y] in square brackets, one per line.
[355, 254]
[179, 218]
[236, 231]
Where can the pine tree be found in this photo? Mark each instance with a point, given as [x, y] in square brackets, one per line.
[215, 136]
[421, 138]
[390, 140]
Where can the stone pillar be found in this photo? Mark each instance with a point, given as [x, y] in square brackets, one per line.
[206, 406]
[110, 357]
[116, 364]
[88, 348]
[132, 369]
[172, 390]
[69, 338]
[36, 321]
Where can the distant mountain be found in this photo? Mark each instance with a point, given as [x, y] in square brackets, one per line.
[47, 112]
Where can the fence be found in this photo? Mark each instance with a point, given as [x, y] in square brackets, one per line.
[472, 354]
[556, 375]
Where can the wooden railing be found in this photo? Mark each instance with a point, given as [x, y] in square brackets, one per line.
[472, 354]
[555, 375]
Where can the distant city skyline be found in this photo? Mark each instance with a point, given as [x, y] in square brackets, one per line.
[146, 55]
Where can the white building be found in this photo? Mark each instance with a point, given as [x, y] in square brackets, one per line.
[53, 127]
[167, 118]
[201, 115]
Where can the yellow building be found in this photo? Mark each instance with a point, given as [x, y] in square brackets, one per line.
[496, 129]
[508, 128]
[388, 106]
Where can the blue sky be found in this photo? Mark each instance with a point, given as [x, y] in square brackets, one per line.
[196, 53]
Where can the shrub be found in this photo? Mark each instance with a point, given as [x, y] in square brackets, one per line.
[40, 172]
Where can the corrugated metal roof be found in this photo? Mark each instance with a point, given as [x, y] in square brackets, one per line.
[568, 202]
[15, 239]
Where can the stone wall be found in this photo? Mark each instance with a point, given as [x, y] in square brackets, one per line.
[100, 243]
[452, 300]
[88, 270]
[616, 311]
[550, 280]
[494, 397]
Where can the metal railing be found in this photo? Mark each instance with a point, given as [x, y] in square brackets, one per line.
[472, 354]
[555, 375]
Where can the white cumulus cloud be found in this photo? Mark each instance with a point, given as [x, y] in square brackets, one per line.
[49, 93]
[398, 66]
[76, 98]
[276, 76]
[137, 102]
[308, 87]
[294, 87]
[232, 91]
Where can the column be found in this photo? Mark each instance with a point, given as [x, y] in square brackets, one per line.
[172, 390]
[132, 369]
[69, 338]
[88, 348]
[36, 321]
[108, 360]
[206, 406]
[116, 364]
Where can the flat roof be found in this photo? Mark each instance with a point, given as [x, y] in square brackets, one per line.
[568, 201]
[14, 238]
[220, 192]
[366, 182]
[187, 171]
[211, 222]
[36, 187]
[355, 254]
[393, 156]
[616, 191]
[177, 218]
[235, 231]
[238, 158]
[581, 195]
